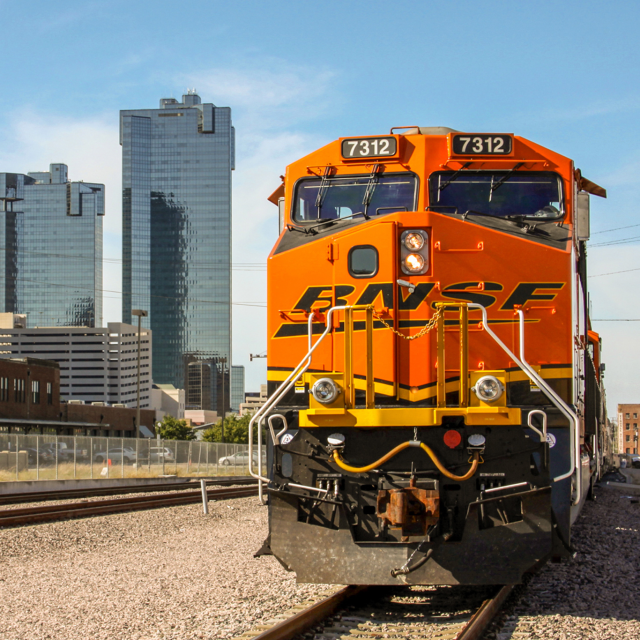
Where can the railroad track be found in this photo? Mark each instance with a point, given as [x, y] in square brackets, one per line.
[47, 513]
[66, 494]
[368, 613]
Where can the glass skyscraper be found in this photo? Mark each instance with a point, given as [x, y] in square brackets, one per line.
[176, 212]
[51, 248]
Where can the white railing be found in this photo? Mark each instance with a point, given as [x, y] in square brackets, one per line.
[532, 374]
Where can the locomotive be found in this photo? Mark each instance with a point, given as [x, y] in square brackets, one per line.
[436, 408]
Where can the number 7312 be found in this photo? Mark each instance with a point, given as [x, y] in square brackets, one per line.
[482, 144]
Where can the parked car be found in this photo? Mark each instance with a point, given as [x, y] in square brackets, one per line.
[65, 453]
[38, 455]
[240, 459]
[116, 456]
[158, 454]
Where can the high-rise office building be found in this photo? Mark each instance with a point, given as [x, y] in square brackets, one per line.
[237, 387]
[51, 248]
[176, 212]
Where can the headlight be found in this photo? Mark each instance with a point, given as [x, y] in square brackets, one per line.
[414, 241]
[414, 262]
[414, 252]
[325, 390]
[488, 389]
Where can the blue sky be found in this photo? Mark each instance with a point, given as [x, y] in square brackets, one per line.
[297, 75]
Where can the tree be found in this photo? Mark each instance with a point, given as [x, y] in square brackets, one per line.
[172, 429]
[236, 430]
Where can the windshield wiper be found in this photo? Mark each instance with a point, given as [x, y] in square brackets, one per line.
[477, 213]
[453, 177]
[305, 230]
[324, 185]
[371, 187]
[505, 177]
[334, 220]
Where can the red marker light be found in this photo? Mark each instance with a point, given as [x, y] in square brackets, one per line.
[452, 438]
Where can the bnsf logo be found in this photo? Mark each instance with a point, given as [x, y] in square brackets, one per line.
[320, 298]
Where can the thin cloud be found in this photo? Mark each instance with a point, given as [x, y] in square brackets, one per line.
[580, 111]
[263, 99]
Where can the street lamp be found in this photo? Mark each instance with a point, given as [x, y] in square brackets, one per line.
[141, 314]
[224, 362]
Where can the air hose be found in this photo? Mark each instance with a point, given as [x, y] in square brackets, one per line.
[337, 458]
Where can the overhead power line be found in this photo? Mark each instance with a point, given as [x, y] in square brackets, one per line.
[612, 242]
[185, 299]
[616, 229]
[613, 273]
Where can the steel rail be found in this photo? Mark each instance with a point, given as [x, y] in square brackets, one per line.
[484, 615]
[310, 617]
[34, 515]
[66, 494]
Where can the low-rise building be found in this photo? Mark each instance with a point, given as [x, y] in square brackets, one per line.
[628, 422]
[30, 403]
[199, 417]
[254, 400]
[96, 365]
[167, 400]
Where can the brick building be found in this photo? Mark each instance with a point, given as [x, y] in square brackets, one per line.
[30, 403]
[628, 421]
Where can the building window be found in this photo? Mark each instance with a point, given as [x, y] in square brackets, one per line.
[628, 438]
[635, 415]
[4, 389]
[635, 425]
[627, 426]
[626, 415]
[18, 390]
[35, 391]
[49, 393]
[628, 450]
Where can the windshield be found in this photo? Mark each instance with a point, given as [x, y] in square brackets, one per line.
[343, 196]
[497, 193]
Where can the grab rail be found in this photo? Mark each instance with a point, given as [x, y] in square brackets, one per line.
[564, 408]
[553, 396]
[302, 366]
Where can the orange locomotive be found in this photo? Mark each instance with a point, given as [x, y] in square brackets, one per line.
[436, 408]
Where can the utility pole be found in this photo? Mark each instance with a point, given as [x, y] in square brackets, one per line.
[141, 314]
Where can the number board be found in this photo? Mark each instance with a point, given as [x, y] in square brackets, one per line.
[369, 147]
[482, 144]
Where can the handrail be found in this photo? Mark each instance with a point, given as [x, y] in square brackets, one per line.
[543, 433]
[302, 366]
[533, 375]
[539, 381]
[564, 408]
[276, 436]
[441, 394]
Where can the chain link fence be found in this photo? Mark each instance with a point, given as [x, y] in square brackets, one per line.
[50, 457]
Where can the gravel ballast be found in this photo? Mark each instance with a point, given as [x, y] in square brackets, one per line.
[162, 574]
[174, 573]
[595, 595]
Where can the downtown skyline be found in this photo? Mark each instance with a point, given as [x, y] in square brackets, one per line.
[287, 100]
